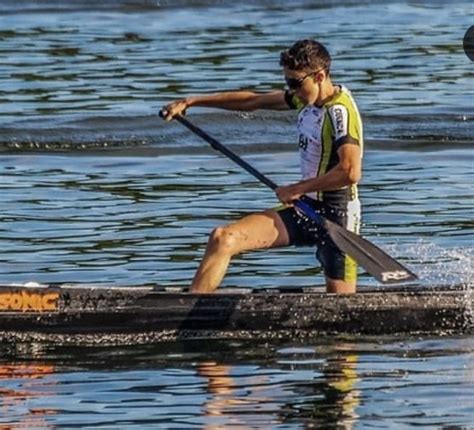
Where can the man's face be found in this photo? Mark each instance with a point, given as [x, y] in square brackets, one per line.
[305, 84]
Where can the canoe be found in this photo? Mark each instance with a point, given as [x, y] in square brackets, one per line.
[88, 314]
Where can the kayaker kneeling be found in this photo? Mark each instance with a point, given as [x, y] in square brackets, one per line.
[330, 145]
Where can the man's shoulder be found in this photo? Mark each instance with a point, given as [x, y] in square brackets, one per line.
[343, 97]
[343, 104]
[344, 117]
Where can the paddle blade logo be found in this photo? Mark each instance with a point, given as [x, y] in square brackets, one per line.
[397, 275]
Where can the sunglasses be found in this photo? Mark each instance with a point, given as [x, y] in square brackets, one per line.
[295, 83]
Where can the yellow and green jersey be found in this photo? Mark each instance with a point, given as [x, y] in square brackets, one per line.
[322, 130]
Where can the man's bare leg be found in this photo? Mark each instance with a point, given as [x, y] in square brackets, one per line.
[256, 231]
[340, 287]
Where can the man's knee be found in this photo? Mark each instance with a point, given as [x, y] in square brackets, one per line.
[223, 240]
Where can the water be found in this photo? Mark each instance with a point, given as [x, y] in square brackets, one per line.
[136, 220]
[82, 74]
[345, 383]
[94, 187]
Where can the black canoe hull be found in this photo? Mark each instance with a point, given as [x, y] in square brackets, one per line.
[143, 314]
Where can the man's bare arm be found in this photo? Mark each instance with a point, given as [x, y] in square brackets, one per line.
[232, 100]
[346, 172]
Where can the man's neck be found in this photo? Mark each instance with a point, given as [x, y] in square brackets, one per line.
[328, 91]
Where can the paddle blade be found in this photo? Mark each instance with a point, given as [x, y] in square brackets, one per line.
[375, 261]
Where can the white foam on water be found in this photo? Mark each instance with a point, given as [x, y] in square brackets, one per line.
[33, 284]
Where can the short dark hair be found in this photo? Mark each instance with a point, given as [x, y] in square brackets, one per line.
[306, 55]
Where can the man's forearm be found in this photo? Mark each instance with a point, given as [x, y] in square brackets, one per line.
[233, 100]
[336, 178]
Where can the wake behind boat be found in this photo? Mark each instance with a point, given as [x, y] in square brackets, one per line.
[88, 314]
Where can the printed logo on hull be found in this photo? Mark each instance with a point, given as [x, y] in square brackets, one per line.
[26, 301]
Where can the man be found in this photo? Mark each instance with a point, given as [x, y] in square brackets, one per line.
[330, 146]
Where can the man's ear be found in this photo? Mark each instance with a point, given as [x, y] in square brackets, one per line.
[320, 76]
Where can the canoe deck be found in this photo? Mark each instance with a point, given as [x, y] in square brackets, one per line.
[126, 315]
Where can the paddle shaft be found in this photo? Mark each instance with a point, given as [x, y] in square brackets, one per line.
[227, 152]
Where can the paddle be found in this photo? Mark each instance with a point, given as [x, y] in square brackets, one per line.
[375, 261]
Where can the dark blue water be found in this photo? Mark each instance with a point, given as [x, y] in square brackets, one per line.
[95, 188]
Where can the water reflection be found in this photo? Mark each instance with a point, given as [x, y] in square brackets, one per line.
[335, 397]
[223, 395]
[339, 383]
[26, 380]
[328, 398]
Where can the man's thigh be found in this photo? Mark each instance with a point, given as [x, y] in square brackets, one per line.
[258, 231]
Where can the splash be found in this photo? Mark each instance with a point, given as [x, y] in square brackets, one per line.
[436, 265]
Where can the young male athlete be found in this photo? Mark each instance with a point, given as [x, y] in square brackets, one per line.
[330, 145]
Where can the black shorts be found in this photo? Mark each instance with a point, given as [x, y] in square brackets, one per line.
[304, 232]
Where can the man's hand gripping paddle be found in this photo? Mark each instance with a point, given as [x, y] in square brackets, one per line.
[375, 261]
